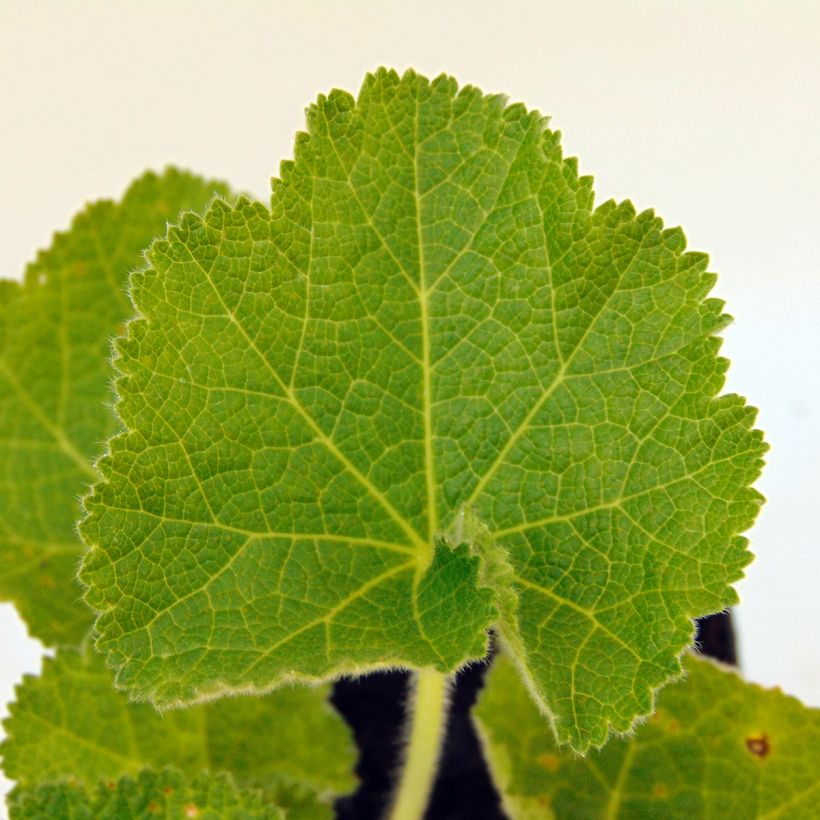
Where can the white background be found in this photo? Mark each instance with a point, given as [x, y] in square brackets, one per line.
[707, 111]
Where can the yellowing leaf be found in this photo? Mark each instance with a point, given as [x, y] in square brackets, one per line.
[55, 336]
[432, 324]
[716, 748]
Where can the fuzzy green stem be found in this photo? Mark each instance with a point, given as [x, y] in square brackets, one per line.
[427, 720]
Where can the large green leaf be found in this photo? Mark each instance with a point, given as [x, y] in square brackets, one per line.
[430, 326]
[716, 748]
[165, 794]
[71, 723]
[55, 332]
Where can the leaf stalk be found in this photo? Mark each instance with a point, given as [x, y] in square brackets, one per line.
[426, 724]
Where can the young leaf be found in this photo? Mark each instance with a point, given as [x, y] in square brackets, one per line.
[431, 323]
[71, 723]
[55, 331]
[717, 747]
[167, 794]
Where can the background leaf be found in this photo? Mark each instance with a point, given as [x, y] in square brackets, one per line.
[71, 723]
[717, 747]
[167, 794]
[431, 323]
[55, 332]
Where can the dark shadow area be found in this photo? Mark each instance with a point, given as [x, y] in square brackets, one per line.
[374, 708]
[716, 638]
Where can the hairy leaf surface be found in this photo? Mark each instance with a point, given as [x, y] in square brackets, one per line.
[71, 723]
[55, 332]
[717, 747]
[430, 323]
[167, 794]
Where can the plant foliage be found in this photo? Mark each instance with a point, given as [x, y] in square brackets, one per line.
[431, 391]
[716, 747]
[55, 336]
[69, 729]
[431, 322]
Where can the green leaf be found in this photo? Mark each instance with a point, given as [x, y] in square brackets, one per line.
[430, 325]
[167, 794]
[55, 331]
[717, 747]
[71, 723]
[299, 800]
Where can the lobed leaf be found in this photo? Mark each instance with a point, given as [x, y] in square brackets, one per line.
[70, 722]
[716, 747]
[55, 331]
[167, 794]
[431, 324]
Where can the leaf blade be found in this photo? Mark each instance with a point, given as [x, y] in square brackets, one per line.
[54, 390]
[716, 747]
[168, 792]
[70, 723]
[433, 321]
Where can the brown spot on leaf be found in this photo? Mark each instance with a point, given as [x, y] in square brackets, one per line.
[758, 745]
[549, 761]
[672, 726]
[153, 807]
[167, 790]
[111, 785]
[191, 810]
[660, 790]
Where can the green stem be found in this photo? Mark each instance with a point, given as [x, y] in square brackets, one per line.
[426, 724]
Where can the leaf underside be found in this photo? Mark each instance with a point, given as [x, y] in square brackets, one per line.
[165, 794]
[70, 723]
[55, 377]
[431, 324]
[717, 747]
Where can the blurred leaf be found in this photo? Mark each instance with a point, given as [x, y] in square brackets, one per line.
[71, 723]
[55, 391]
[716, 747]
[166, 794]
